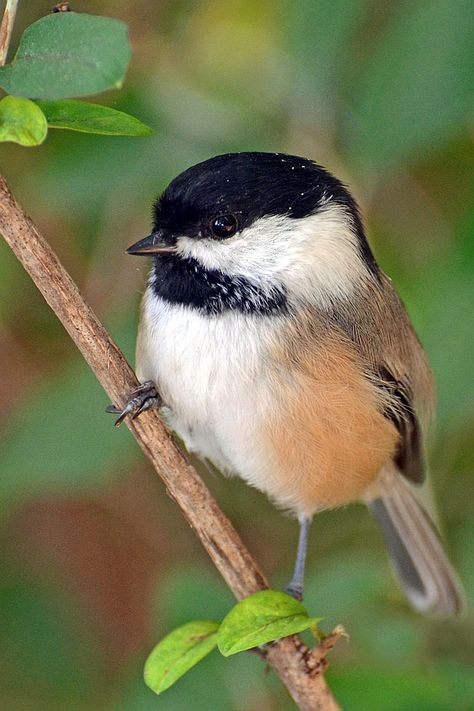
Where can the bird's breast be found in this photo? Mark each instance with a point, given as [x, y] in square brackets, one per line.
[211, 373]
[293, 416]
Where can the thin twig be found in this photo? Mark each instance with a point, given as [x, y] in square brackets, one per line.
[325, 646]
[6, 28]
[291, 659]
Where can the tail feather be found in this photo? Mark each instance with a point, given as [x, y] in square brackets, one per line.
[429, 580]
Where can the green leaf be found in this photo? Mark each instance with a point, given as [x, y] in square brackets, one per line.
[91, 118]
[68, 54]
[22, 121]
[260, 618]
[178, 652]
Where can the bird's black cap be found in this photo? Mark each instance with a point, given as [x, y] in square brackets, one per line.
[250, 185]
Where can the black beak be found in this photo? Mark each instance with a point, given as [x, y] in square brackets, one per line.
[156, 243]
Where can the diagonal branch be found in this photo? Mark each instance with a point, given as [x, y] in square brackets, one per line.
[291, 659]
[6, 28]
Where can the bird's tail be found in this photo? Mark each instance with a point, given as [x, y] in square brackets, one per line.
[429, 580]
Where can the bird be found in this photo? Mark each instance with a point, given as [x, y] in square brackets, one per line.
[277, 349]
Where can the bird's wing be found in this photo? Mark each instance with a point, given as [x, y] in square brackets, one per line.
[379, 327]
[409, 456]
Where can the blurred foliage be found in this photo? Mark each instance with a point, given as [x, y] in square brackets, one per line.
[97, 562]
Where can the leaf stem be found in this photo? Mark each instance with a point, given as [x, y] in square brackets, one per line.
[6, 28]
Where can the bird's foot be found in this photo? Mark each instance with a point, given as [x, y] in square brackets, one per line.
[142, 398]
[295, 590]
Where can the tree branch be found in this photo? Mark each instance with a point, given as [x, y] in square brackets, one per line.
[6, 28]
[296, 665]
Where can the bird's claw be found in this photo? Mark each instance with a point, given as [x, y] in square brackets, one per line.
[295, 590]
[144, 397]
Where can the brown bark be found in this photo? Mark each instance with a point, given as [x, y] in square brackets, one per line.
[6, 29]
[299, 668]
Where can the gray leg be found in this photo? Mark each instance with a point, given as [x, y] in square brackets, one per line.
[295, 587]
[142, 398]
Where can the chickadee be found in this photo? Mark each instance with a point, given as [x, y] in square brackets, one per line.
[278, 349]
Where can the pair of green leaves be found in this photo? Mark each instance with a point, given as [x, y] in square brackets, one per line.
[260, 618]
[65, 55]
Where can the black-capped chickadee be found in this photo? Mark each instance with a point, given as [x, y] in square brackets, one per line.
[278, 349]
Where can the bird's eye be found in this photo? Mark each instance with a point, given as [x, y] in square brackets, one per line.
[224, 226]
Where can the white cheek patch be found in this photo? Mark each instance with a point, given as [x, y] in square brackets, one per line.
[329, 263]
[315, 258]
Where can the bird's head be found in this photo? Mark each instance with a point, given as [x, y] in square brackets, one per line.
[255, 232]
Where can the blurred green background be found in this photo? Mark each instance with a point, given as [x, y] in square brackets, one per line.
[97, 563]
